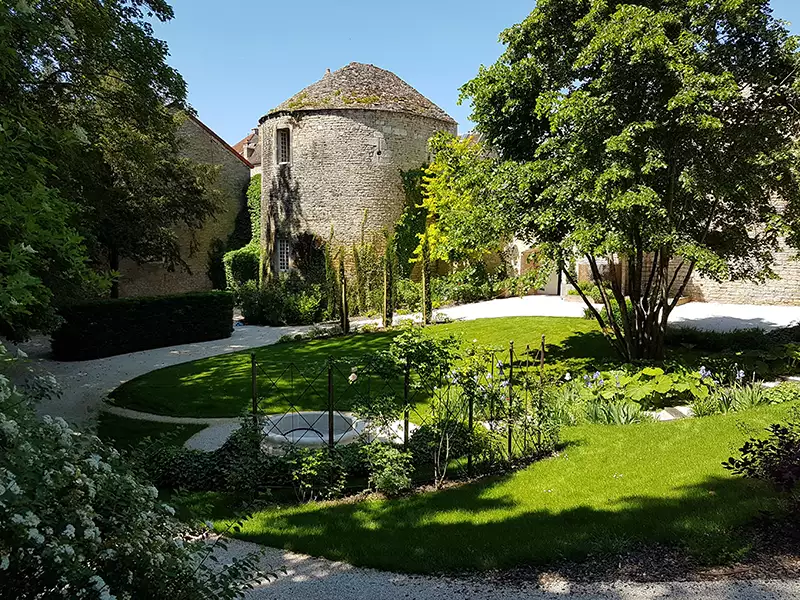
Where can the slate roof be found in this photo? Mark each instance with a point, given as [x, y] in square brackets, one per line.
[362, 87]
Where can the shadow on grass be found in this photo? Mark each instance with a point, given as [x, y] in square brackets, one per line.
[474, 528]
[220, 386]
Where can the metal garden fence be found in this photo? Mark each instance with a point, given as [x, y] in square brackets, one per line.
[483, 409]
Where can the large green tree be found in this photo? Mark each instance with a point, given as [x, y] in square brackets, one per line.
[89, 167]
[655, 136]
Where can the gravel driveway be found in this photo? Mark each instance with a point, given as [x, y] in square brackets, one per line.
[318, 579]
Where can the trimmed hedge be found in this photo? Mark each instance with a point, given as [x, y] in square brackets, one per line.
[110, 327]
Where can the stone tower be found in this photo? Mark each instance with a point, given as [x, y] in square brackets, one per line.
[335, 150]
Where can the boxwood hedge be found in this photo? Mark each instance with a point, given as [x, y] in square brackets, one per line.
[109, 327]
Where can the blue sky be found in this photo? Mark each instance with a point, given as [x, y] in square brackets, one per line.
[243, 57]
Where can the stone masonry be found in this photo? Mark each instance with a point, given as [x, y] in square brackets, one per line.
[345, 158]
[153, 279]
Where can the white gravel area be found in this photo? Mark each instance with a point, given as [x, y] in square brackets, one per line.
[725, 317]
[319, 579]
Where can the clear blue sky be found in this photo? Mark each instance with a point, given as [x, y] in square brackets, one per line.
[243, 57]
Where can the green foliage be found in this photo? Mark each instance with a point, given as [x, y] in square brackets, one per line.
[430, 440]
[366, 289]
[470, 284]
[651, 386]
[736, 340]
[460, 225]
[282, 301]
[242, 266]
[77, 521]
[775, 459]
[733, 398]
[254, 207]
[389, 469]
[590, 290]
[638, 133]
[90, 161]
[786, 391]
[108, 327]
[409, 294]
[316, 473]
[412, 221]
[428, 355]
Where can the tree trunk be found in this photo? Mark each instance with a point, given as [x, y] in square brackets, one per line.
[113, 263]
[344, 316]
[427, 306]
[388, 291]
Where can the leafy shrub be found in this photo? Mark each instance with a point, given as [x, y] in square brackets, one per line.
[108, 327]
[242, 265]
[715, 341]
[775, 459]
[786, 391]
[471, 284]
[389, 469]
[425, 442]
[239, 467]
[590, 290]
[316, 473]
[77, 522]
[282, 302]
[651, 387]
[409, 294]
[617, 313]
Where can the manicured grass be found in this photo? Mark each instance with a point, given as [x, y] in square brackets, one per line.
[609, 488]
[294, 373]
[125, 433]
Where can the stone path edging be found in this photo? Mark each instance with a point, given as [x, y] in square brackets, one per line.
[143, 416]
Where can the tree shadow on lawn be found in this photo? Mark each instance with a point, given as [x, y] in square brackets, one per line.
[455, 530]
[220, 386]
[586, 349]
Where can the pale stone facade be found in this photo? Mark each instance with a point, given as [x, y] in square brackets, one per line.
[153, 279]
[343, 158]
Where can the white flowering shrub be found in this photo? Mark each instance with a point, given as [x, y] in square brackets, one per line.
[75, 522]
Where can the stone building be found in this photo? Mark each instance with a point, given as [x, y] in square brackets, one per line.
[152, 279]
[250, 149]
[333, 153]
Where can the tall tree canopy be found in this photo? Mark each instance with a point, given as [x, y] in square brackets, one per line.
[655, 134]
[89, 170]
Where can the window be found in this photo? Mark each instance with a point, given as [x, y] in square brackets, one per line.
[283, 146]
[284, 252]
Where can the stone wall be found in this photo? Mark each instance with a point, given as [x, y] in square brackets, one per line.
[343, 162]
[784, 290]
[153, 279]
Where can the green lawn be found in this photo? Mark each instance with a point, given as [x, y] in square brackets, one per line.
[220, 386]
[125, 433]
[610, 487]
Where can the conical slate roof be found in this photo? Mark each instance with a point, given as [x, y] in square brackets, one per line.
[363, 87]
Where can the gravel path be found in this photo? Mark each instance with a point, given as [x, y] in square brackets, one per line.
[319, 579]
